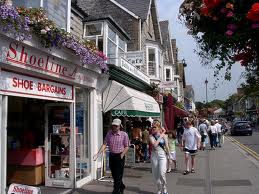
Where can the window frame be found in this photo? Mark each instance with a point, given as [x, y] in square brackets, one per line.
[157, 65]
[92, 23]
[170, 74]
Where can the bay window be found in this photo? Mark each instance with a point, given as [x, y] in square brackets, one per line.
[152, 62]
[116, 47]
[168, 74]
[94, 33]
[106, 39]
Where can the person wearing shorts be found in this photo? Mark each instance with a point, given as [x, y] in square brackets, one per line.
[190, 144]
[172, 151]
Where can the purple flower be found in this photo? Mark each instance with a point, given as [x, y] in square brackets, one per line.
[255, 25]
[224, 10]
[230, 14]
[229, 33]
[232, 27]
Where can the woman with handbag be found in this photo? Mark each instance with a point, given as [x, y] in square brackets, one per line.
[160, 148]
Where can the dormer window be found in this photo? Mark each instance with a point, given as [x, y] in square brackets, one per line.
[94, 29]
[152, 61]
[107, 39]
[94, 33]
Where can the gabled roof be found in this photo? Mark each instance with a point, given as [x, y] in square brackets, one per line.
[139, 7]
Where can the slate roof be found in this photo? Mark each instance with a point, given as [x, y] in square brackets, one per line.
[138, 7]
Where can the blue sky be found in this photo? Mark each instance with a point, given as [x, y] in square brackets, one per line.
[195, 73]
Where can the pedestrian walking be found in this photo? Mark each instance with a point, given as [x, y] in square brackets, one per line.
[145, 140]
[172, 151]
[159, 152]
[219, 133]
[212, 134]
[118, 143]
[190, 143]
[179, 130]
[203, 132]
[137, 139]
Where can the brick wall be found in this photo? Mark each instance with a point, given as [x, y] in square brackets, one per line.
[76, 25]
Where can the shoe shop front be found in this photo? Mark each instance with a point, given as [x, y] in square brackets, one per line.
[48, 116]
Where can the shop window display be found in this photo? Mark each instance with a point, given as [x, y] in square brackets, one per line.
[82, 135]
[59, 138]
[25, 141]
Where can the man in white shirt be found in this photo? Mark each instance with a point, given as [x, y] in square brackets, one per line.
[219, 133]
[190, 143]
[203, 128]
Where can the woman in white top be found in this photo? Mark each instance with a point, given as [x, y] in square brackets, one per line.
[159, 143]
[212, 134]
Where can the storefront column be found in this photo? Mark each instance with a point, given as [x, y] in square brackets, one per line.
[73, 143]
[3, 144]
[93, 132]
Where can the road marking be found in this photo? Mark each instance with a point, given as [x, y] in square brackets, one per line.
[208, 186]
[247, 149]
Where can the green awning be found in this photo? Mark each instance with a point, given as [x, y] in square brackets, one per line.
[125, 101]
[134, 113]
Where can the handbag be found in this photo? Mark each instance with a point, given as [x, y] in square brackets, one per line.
[160, 144]
[217, 139]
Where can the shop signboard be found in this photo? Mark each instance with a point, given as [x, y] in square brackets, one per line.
[167, 84]
[18, 54]
[23, 189]
[26, 86]
[135, 57]
[127, 66]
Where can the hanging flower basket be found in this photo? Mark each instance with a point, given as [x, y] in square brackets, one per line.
[23, 22]
[226, 31]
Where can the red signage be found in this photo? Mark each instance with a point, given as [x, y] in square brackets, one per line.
[17, 84]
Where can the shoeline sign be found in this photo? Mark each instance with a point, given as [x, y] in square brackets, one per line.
[23, 189]
[21, 55]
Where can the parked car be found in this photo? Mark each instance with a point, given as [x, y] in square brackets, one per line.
[252, 123]
[241, 128]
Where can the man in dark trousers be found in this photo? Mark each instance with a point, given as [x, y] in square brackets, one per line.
[118, 143]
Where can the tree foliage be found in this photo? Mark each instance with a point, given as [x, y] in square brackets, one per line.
[227, 31]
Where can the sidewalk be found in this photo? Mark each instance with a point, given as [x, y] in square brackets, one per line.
[226, 170]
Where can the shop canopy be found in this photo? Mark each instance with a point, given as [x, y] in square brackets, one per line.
[180, 112]
[124, 101]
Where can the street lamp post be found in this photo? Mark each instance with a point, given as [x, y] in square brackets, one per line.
[206, 84]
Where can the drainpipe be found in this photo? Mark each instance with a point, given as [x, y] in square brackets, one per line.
[140, 34]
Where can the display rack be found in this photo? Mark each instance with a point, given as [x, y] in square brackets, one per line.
[59, 155]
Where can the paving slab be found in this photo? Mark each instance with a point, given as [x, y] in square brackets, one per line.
[226, 170]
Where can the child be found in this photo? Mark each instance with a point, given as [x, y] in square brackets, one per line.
[172, 154]
[190, 143]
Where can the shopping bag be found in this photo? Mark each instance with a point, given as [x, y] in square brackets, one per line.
[217, 139]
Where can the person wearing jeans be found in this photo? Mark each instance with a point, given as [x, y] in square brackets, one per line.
[145, 136]
[213, 134]
[160, 147]
[118, 143]
[219, 132]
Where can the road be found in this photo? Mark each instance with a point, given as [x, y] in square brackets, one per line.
[250, 141]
